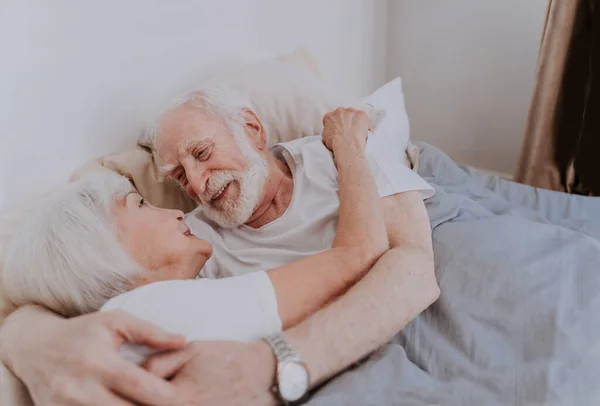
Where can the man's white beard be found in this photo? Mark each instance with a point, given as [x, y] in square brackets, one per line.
[233, 213]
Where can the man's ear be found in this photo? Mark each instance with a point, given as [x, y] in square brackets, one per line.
[256, 129]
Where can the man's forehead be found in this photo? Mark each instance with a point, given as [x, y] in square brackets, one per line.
[182, 128]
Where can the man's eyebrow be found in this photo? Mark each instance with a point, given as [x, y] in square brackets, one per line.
[187, 145]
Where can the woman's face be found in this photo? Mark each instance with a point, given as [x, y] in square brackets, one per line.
[159, 241]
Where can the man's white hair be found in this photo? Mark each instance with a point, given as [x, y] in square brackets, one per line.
[215, 100]
[66, 255]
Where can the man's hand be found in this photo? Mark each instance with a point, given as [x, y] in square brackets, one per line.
[345, 125]
[76, 362]
[220, 373]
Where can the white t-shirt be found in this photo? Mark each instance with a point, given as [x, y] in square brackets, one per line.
[241, 309]
[309, 224]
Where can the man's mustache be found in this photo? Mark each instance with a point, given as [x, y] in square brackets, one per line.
[217, 182]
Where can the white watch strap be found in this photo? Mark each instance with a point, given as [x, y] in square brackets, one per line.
[282, 350]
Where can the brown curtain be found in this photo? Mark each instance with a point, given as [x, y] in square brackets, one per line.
[561, 150]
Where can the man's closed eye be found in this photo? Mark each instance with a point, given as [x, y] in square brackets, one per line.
[203, 155]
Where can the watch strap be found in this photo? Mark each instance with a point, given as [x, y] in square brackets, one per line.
[282, 350]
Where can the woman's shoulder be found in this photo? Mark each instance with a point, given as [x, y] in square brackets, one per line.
[156, 290]
[172, 293]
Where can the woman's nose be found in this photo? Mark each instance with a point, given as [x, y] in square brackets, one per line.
[178, 213]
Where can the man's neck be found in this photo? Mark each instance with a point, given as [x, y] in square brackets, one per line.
[279, 189]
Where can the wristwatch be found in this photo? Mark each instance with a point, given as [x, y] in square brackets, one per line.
[292, 374]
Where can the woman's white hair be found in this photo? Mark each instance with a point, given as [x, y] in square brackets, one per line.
[216, 100]
[66, 255]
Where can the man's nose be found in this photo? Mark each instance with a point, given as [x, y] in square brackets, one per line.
[198, 181]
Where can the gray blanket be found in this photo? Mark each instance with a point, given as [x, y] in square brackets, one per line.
[518, 320]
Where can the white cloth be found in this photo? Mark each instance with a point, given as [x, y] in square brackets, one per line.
[309, 224]
[242, 309]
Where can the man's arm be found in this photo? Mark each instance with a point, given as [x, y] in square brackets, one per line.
[304, 286]
[398, 288]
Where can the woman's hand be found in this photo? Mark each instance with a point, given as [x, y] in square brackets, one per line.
[76, 361]
[346, 125]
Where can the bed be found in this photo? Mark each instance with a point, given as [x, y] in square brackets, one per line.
[517, 320]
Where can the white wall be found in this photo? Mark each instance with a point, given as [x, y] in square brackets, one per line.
[467, 68]
[78, 78]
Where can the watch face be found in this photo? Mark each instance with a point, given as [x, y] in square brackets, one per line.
[293, 381]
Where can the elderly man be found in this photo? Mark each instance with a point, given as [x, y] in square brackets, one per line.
[266, 208]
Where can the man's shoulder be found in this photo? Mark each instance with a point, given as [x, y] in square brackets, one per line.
[308, 153]
[295, 148]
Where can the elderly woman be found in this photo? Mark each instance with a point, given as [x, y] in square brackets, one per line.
[97, 244]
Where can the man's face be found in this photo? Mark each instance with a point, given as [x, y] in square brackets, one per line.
[216, 165]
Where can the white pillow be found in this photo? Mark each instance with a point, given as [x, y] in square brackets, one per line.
[394, 128]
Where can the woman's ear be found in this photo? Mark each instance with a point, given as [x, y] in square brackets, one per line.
[255, 129]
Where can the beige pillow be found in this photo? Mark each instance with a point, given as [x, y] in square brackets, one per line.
[288, 95]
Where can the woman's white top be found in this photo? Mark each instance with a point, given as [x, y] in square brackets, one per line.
[241, 308]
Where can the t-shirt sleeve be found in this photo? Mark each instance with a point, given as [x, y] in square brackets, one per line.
[241, 308]
[390, 173]
[392, 177]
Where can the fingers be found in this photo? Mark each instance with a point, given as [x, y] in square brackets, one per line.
[167, 365]
[87, 394]
[139, 385]
[102, 396]
[141, 332]
[344, 110]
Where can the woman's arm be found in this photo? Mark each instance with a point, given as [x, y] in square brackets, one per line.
[302, 287]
